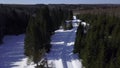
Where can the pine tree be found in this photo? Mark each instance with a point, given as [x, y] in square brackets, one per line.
[39, 31]
[99, 47]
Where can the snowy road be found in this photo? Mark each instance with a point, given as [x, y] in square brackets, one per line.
[61, 55]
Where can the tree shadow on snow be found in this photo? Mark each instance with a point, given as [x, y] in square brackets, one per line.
[11, 51]
[62, 47]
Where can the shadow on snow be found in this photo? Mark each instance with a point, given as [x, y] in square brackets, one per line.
[11, 51]
[62, 47]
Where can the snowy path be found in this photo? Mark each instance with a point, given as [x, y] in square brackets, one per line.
[61, 55]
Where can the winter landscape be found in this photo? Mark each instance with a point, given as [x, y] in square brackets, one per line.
[59, 34]
[61, 55]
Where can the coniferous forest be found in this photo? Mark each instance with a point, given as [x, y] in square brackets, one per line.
[40, 28]
[100, 46]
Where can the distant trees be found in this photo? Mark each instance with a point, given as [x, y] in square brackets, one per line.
[67, 16]
[99, 48]
[39, 30]
[13, 19]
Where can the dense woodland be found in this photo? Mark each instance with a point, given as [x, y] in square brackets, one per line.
[40, 28]
[14, 19]
[100, 46]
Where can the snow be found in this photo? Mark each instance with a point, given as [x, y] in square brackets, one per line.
[71, 43]
[62, 42]
[12, 52]
[61, 54]
[85, 24]
[75, 24]
[74, 17]
[76, 20]
[62, 30]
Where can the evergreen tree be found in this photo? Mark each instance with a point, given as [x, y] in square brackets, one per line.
[39, 31]
[99, 47]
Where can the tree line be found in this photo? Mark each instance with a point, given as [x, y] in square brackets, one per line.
[40, 28]
[14, 19]
[100, 46]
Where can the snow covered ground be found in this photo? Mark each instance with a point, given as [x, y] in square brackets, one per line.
[11, 51]
[61, 55]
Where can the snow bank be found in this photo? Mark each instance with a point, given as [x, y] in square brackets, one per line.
[57, 42]
[71, 43]
[74, 17]
[62, 30]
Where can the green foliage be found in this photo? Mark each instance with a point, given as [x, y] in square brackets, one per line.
[67, 15]
[38, 35]
[39, 30]
[99, 48]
